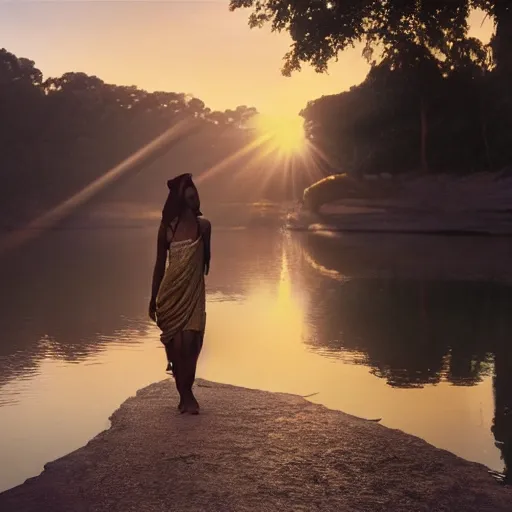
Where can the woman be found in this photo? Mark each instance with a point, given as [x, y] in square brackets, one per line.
[178, 296]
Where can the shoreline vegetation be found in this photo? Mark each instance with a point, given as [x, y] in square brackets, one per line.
[62, 134]
[437, 97]
[253, 450]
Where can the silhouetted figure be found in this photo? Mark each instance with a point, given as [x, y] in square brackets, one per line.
[178, 299]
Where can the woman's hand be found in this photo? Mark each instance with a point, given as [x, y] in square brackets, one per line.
[152, 309]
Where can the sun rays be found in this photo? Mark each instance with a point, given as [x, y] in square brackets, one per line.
[277, 151]
[134, 163]
[285, 134]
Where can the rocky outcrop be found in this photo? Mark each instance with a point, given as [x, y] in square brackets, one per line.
[253, 451]
[474, 204]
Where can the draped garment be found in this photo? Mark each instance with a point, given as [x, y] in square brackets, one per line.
[181, 299]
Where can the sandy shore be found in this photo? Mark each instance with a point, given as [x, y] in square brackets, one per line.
[253, 451]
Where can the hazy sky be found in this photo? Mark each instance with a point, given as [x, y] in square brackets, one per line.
[184, 46]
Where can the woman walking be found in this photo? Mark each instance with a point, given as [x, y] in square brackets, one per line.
[178, 299]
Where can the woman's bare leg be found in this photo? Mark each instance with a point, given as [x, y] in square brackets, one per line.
[169, 354]
[190, 347]
[179, 370]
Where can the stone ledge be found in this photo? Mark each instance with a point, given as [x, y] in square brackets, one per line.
[253, 451]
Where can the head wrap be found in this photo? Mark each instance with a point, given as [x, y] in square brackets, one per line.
[175, 203]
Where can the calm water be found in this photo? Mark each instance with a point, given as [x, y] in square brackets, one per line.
[400, 328]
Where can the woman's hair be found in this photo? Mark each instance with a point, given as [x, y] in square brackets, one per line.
[175, 203]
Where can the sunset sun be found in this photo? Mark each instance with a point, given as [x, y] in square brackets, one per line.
[286, 134]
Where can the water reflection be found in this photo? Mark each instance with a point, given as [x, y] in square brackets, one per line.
[350, 318]
[71, 293]
[417, 331]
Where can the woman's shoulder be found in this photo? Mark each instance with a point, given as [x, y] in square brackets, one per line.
[204, 224]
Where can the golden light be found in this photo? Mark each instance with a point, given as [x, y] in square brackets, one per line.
[286, 134]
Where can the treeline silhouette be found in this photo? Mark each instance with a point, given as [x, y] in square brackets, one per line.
[436, 97]
[417, 115]
[58, 134]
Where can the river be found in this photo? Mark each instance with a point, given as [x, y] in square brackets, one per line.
[412, 330]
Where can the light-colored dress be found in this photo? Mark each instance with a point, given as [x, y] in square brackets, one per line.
[181, 300]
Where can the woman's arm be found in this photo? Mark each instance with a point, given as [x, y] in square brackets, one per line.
[159, 270]
[207, 236]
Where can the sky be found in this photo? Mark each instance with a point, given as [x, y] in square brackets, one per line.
[191, 46]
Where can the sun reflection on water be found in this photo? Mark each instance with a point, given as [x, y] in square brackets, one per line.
[276, 321]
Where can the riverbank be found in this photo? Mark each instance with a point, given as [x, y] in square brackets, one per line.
[377, 218]
[475, 204]
[253, 450]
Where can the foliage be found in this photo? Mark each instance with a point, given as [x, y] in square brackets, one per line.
[377, 126]
[321, 29]
[434, 99]
[59, 134]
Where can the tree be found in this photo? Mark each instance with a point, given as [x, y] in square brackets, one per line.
[13, 69]
[414, 111]
[501, 13]
[384, 121]
[321, 29]
[421, 39]
[58, 135]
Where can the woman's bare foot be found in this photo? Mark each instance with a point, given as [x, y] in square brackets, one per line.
[192, 405]
[181, 406]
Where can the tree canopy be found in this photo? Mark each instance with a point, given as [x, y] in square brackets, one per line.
[434, 99]
[462, 121]
[59, 134]
[321, 29]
